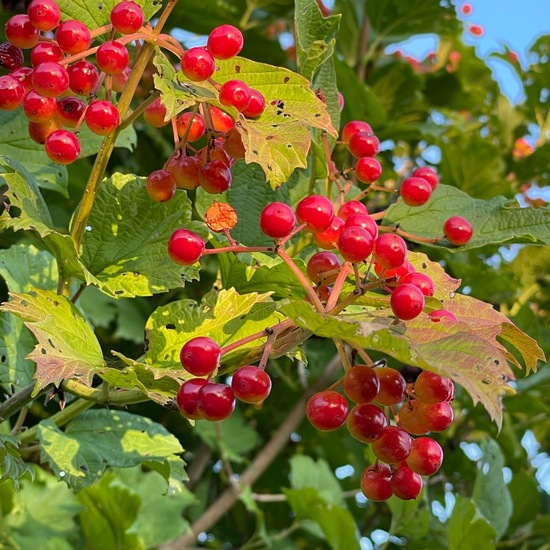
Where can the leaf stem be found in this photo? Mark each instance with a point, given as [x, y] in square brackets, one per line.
[134, 115]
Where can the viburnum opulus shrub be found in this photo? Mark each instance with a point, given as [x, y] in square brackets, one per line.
[328, 261]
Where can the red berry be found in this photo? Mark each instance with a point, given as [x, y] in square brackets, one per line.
[328, 238]
[161, 185]
[398, 273]
[46, 51]
[375, 483]
[155, 114]
[37, 107]
[415, 191]
[363, 144]
[361, 384]
[277, 220]
[215, 401]
[436, 417]
[392, 386]
[83, 77]
[351, 207]
[390, 250]
[50, 79]
[214, 151]
[44, 14]
[215, 177]
[21, 32]
[366, 422]
[256, 105]
[112, 57]
[120, 80]
[439, 314]
[233, 145]
[355, 244]
[421, 281]
[429, 387]
[221, 121]
[466, 9]
[251, 384]
[476, 30]
[12, 93]
[458, 230]
[323, 267]
[225, 42]
[426, 456]
[197, 64]
[127, 17]
[352, 128]
[11, 57]
[407, 302]
[405, 483]
[185, 247]
[187, 398]
[327, 410]
[368, 169]
[316, 211]
[235, 93]
[62, 147]
[70, 110]
[200, 356]
[393, 446]
[185, 170]
[102, 117]
[23, 75]
[408, 418]
[365, 221]
[197, 126]
[428, 174]
[39, 131]
[73, 36]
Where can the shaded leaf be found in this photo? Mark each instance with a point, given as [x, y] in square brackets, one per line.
[12, 465]
[410, 518]
[468, 530]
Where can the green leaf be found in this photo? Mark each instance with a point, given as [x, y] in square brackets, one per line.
[100, 438]
[128, 258]
[232, 437]
[336, 523]
[495, 221]
[279, 139]
[67, 346]
[526, 498]
[96, 14]
[410, 518]
[110, 510]
[16, 342]
[468, 530]
[12, 466]
[490, 493]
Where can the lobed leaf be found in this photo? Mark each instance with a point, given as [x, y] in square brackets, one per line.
[12, 465]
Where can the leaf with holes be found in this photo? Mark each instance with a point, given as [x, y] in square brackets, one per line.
[67, 346]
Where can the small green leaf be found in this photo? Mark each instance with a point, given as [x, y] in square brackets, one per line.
[129, 259]
[12, 466]
[100, 438]
[468, 530]
[16, 342]
[67, 346]
[495, 221]
[526, 498]
[410, 518]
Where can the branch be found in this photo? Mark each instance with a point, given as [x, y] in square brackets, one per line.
[257, 467]
[17, 401]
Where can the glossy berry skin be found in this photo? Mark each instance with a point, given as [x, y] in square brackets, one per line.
[70, 110]
[215, 177]
[197, 64]
[327, 410]
[420, 280]
[187, 398]
[368, 169]
[323, 268]
[23, 75]
[328, 239]
[405, 483]
[367, 422]
[375, 483]
[393, 446]
[390, 250]
[392, 386]
[50, 79]
[215, 402]
[83, 77]
[407, 302]
[256, 105]
[161, 185]
[102, 117]
[355, 244]
[351, 207]
[200, 356]
[316, 211]
[458, 230]
[38, 108]
[363, 144]
[62, 147]
[21, 32]
[39, 131]
[365, 221]
[408, 417]
[361, 384]
[432, 388]
[120, 80]
[46, 51]
[277, 220]
[214, 151]
[221, 121]
[399, 273]
[426, 456]
[44, 14]
[225, 42]
[185, 247]
[185, 171]
[352, 128]
[415, 191]
[127, 17]
[11, 57]
[112, 57]
[197, 126]
[235, 93]
[73, 36]
[435, 417]
[428, 174]
[251, 384]
[155, 113]
[12, 93]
